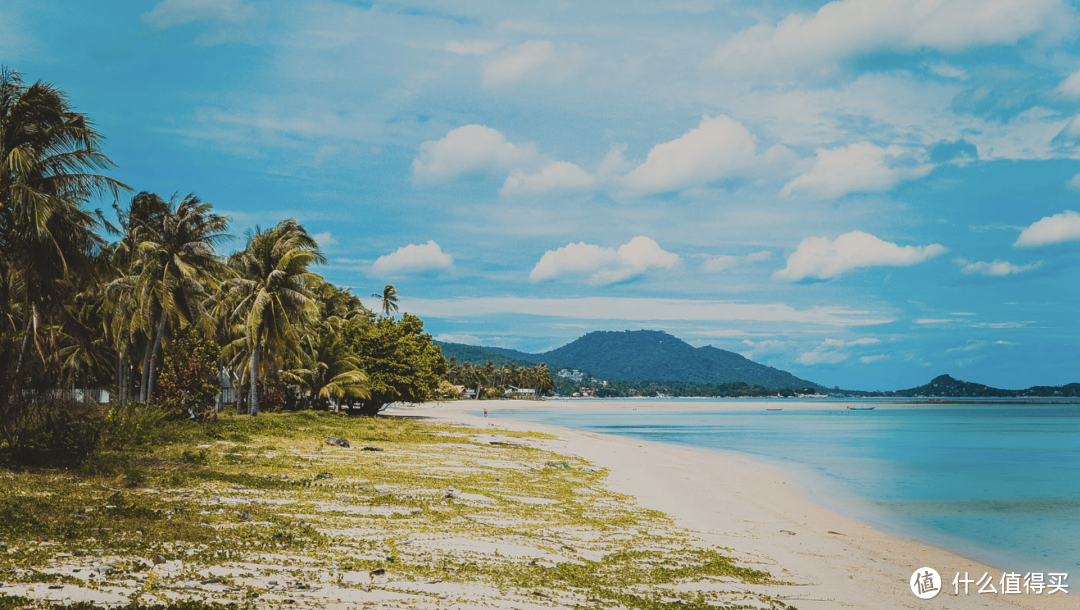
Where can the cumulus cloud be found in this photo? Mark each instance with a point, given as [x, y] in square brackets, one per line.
[859, 167]
[1051, 230]
[471, 149]
[555, 176]
[845, 29]
[718, 264]
[413, 258]
[601, 266]
[997, 268]
[1070, 87]
[820, 258]
[513, 64]
[716, 149]
[325, 239]
[833, 351]
[169, 13]
[873, 358]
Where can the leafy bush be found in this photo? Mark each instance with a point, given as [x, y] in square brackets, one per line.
[189, 381]
[131, 425]
[47, 428]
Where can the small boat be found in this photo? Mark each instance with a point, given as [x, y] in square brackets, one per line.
[861, 408]
[773, 409]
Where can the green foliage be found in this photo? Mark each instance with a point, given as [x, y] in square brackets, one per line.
[50, 428]
[401, 361]
[133, 424]
[189, 382]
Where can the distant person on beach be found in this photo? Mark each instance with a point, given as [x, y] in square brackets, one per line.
[485, 412]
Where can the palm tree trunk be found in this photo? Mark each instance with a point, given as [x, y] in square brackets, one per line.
[25, 343]
[154, 357]
[253, 401]
[144, 381]
[120, 385]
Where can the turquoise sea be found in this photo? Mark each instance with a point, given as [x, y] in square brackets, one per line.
[999, 483]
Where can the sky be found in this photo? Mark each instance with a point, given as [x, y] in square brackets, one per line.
[867, 193]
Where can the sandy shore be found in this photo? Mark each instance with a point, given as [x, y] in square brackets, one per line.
[765, 517]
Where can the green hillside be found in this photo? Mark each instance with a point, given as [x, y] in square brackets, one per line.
[642, 355]
[947, 386]
[480, 355]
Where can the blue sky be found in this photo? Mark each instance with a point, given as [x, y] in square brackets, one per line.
[865, 193]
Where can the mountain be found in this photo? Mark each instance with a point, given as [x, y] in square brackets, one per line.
[641, 355]
[947, 386]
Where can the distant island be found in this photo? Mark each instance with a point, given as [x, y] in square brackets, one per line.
[655, 363]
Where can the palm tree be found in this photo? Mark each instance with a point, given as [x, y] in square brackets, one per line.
[329, 369]
[271, 297]
[389, 299]
[178, 263]
[48, 162]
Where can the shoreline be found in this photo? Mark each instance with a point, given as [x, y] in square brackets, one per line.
[762, 514]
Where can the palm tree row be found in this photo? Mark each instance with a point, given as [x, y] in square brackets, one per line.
[89, 303]
[537, 378]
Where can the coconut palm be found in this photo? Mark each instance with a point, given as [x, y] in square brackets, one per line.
[270, 299]
[49, 159]
[178, 264]
[389, 299]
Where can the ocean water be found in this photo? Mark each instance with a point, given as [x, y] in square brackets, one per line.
[994, 482]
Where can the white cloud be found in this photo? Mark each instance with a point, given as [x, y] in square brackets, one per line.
[1074, 183]
[169, 13]
[1051, 230]
[471, 149]
[716, 149]
[555, 176]
[845, 29]
[969, 347]
[873, 358]
[718, 264]
[459, 338]
[935, 320]
[858, 167]
[471, 47]
[1070, 87]
[820, 258]
[413, 258]
[833, 351]
[514, 63]
[644, 309]
[601, 266]
[325, 239]
[997, 268]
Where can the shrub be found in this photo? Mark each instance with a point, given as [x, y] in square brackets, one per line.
[189, 381]
[131, 425]
[49, 427]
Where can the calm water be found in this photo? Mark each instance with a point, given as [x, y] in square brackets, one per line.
[998, 483]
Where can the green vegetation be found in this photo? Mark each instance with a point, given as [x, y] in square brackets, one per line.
[498, 380]
[260, 511]
[946, 386]
[149, 309]
[644, 356]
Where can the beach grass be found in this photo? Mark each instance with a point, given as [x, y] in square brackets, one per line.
[262, 512]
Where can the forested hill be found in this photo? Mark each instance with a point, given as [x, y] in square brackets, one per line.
[947, 386]
[642, 355]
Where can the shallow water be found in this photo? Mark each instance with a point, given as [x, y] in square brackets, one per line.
[997, 483]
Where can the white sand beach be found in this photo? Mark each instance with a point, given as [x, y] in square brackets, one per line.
[764, 516]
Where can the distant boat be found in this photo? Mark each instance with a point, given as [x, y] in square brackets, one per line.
[861, 408]
[773, 409]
